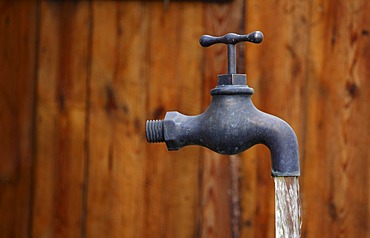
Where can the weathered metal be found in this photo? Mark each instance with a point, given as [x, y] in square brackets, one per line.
[231, 124]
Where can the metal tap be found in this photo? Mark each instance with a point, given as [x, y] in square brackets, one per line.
[231, 124]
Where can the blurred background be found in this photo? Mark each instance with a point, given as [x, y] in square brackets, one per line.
[78, 79]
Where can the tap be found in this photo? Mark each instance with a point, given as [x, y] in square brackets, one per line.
[231, 124]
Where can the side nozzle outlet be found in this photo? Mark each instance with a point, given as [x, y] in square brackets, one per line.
[154, 131]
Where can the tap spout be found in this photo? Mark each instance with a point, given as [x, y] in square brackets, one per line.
[231, 125]
[281, 140]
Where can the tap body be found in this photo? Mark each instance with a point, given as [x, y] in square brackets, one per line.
[231, 125]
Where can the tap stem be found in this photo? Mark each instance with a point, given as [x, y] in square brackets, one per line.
[231, 51]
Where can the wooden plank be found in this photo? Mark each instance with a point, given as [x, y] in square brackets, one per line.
[277, 71]
[61, 113]
[337, 165]
[18, 22]
[115, 201]
[129, 83]
[103, 194]
[149, 197]
[217, 207]
[174, 85]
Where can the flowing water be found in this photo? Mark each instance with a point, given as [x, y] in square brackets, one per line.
[287, 207]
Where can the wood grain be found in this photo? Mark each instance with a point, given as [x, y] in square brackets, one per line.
[174, 85]
[277, 71]
[60, 124]
[18, 27]
[337, 167]
[217, 207]
[115, 199]
[105, 169]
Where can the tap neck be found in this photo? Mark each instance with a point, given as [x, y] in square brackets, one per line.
[229, 84]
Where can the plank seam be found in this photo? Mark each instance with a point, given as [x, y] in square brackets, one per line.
[87, 123]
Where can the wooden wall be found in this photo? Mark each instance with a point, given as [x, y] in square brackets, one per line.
[78, 79]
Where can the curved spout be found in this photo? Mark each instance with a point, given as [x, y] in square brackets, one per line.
[281, 140]
[231, 125]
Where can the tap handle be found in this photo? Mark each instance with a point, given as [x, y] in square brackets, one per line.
[231, 39]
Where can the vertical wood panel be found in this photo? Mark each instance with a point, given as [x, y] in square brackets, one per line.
[115, 203]
[183, 175]
[61, 99]
[174, 85]
[18, 24]
[336, 185]
[103, 212]
[277, 71]
[130, 148]
[216, 209]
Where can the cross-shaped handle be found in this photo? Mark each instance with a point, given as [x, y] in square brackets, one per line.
[231, 39]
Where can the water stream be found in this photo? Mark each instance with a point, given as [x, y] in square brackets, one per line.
[287, 207]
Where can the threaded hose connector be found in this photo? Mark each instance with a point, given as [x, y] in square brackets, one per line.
[154, 131]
